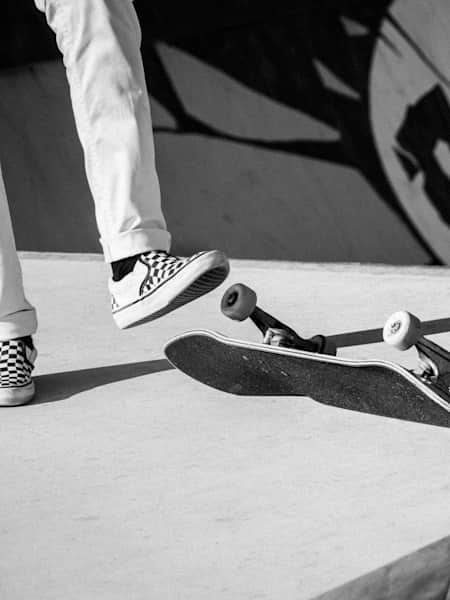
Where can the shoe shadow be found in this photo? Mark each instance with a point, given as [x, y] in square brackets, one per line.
[60, 386]
[373, 336]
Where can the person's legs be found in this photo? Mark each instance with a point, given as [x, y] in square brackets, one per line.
[100, 43]
[17, 318]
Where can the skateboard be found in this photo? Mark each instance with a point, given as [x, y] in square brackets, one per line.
[286, 364]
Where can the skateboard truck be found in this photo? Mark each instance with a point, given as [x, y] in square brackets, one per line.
[404, 330]
[239, 303]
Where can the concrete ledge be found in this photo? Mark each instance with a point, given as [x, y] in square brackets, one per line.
[276, 265]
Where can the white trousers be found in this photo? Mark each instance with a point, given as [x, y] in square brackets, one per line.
[100, 43]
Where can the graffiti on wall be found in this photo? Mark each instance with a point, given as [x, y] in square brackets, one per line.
[375, 74]
[311, 131]
[410, 93]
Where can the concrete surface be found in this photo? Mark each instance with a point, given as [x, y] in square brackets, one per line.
[125, 479]
[424, 574]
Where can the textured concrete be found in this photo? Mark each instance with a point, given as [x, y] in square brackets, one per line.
[125, 479]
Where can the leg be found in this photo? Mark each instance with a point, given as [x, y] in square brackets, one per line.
[100, 42]
[17, 316]
[17, 319]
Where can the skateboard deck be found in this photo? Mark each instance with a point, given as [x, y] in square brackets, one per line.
[250, 369]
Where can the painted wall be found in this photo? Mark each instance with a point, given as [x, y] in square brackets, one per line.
[313, 133]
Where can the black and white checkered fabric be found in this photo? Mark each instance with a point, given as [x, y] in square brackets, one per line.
[114, 303]
[161, 267]
[15, 368]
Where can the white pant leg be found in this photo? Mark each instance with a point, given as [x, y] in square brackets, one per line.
[17, 316]
[100, 43]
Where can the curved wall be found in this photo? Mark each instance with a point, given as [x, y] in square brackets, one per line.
[272, 137]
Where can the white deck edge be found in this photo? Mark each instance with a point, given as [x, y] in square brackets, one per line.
[327, 358]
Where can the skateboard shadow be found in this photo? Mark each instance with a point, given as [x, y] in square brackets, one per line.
[373, 336]
[60, 386]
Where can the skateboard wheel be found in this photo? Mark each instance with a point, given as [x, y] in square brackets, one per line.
[238, 302]
[402, 330]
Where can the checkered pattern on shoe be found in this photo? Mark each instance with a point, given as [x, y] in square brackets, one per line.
[15, 368]
[161, 267]
[114, 303]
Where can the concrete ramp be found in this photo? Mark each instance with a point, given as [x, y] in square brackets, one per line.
[126, 479]
[425, 574]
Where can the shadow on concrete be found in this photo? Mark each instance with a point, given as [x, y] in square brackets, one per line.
[60, 386]
[373, 336]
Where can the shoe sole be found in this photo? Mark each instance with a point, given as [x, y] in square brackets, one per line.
[197, 278]
[17, 396]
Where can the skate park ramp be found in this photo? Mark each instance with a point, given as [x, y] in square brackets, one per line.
[125, 478]
[290, 133]
[423, 574]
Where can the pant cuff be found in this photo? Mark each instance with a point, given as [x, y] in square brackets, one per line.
[19, 324]
[135, 242]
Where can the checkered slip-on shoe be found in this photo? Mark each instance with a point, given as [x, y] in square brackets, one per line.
[160, 283]
[17, 359]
